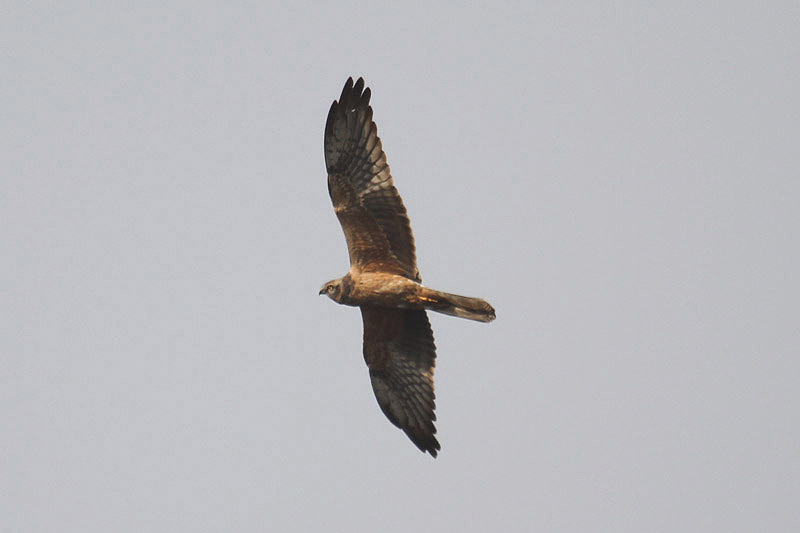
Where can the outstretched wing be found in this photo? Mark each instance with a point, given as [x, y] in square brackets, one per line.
[353, 152]
[401, 355]
[366, 242]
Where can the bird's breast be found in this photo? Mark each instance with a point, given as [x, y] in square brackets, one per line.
[384, 290]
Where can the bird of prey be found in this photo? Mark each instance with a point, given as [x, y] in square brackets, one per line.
[383, 279]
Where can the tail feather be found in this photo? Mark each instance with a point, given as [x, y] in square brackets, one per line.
[460, 306]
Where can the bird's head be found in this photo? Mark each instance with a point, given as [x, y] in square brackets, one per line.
[333, 289]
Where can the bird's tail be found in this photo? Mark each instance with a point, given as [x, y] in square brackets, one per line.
[460, 306]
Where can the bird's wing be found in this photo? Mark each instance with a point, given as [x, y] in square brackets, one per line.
[366, 242]
[353, 152]
[401, 355]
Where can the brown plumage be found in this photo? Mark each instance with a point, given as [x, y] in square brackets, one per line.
[383, 279]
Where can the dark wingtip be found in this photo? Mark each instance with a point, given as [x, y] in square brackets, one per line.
[331, 118]
[354, 100]
[427, 443]
[348, 87]
[434, 450]
[433, 447]
[354, 95]
[359, 86]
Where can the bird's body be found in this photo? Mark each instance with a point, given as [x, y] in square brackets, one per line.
[383, 279]
[396, 291]
[378, 289]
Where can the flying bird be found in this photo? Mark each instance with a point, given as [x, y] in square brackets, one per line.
[383, 279]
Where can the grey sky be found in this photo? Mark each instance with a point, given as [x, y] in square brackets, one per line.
[620, 182]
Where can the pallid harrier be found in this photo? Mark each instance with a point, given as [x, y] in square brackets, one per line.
[383, 279]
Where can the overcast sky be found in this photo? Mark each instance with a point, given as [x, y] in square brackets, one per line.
[620, 182]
